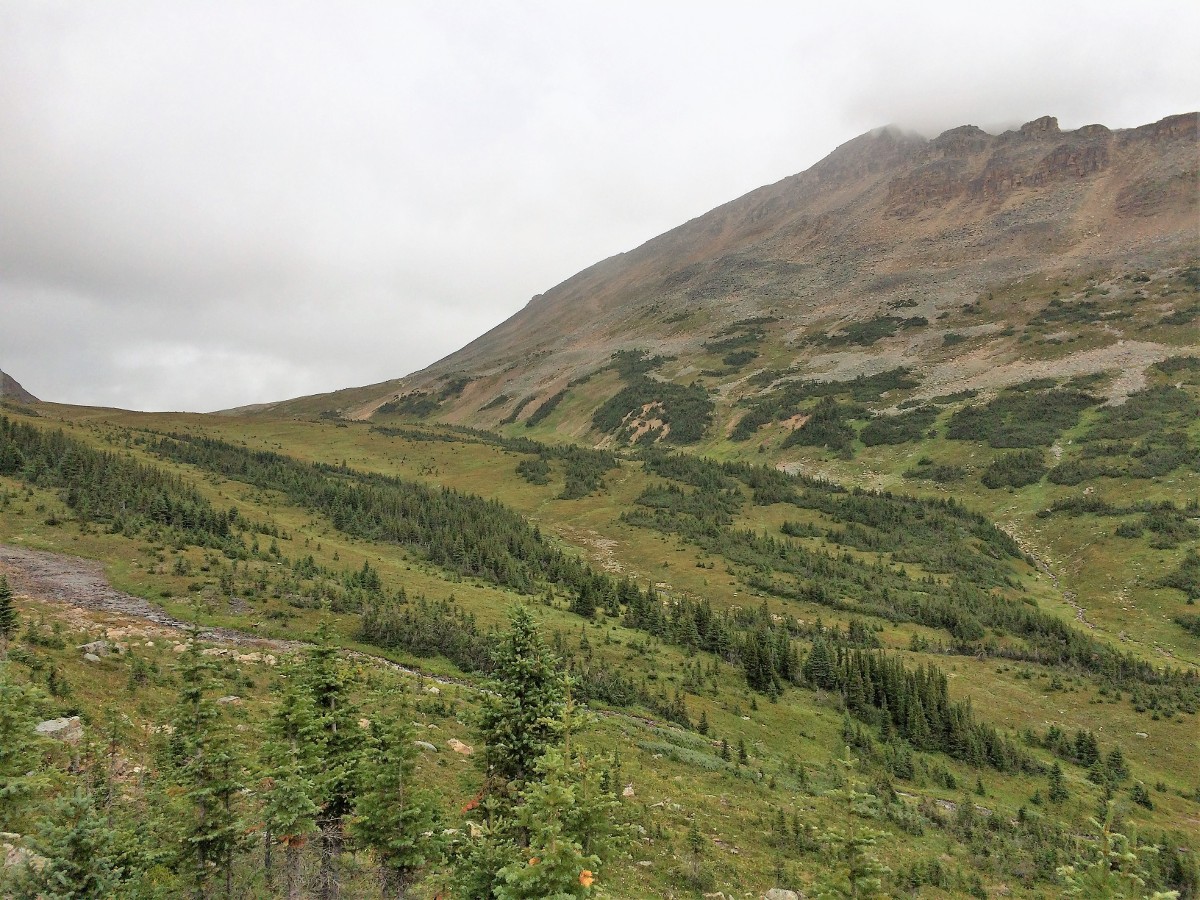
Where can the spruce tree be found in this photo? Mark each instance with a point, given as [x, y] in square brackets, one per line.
[80, 849]
[1115, 867]
[1057, 791]
[818, 668]
[337, 741]
[289, 812]
[21, 772]
[695, 850]
[210, 833]
[8, 617]
[392, 817]
[557, 866]
[522, 716]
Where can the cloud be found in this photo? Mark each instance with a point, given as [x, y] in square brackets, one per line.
[212, 204]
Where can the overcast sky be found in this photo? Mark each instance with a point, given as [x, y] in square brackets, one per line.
[212, 204]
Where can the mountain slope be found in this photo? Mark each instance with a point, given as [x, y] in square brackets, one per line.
[11, 390]
[888, 220]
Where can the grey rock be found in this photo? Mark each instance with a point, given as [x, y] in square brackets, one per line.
[425, 745]
[99, 648]
[69, 731]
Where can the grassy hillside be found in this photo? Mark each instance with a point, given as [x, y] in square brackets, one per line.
[687, 596]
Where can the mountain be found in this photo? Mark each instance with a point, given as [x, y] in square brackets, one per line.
[11, 390]
[913, 611]
[890, 226]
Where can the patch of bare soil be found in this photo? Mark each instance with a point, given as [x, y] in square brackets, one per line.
[80, 583]
[602, 546]
[984, 372]
[642, 422]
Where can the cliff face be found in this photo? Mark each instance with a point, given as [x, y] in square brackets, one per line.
[11, 390]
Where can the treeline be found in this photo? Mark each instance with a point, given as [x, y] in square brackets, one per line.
[914, 703]
[1020, 417]
[938, 535]
[427, 628]
[583, 468]
[686, 410]
[462, 533]
[99, 486]
[785, 401]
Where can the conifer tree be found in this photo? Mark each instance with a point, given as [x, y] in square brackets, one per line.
[557, 866]
[289, 811]
[21, 777]
[861, 874]
[1113, 869]
[80, 849]
[392, 817]
[1057, 791]
[337, 742]
[522, 717]
[818, 667]
[695, 849]
[289, 816]
[210, 833]
[8, 617]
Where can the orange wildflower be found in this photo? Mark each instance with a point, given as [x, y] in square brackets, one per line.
[534, 860]
[586, 877]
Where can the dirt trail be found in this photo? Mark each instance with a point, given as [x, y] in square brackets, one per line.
[81, 583]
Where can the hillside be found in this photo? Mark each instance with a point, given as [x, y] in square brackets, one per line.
[861, 512]
[890, 226]
[12, 391]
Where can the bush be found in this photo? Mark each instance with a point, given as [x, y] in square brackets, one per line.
[1020, 418]
[1015, 470]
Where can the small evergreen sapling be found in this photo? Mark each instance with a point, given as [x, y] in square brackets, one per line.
[8, 616]
[391, 817]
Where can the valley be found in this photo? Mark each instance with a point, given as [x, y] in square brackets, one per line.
[860, 518]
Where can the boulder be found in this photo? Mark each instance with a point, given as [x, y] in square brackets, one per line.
[69, 731]
[98, 648]
[459, 747]
[781, 894]
[425, 745]
[91, 657]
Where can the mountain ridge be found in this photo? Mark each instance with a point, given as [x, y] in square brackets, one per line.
[886, 214]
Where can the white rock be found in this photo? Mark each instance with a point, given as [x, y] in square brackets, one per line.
[91, 657]
[231, 700]
[425, 745]
[96, 648]
[432, 689]
[780, 894]
[69, 731]
[628, 792]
